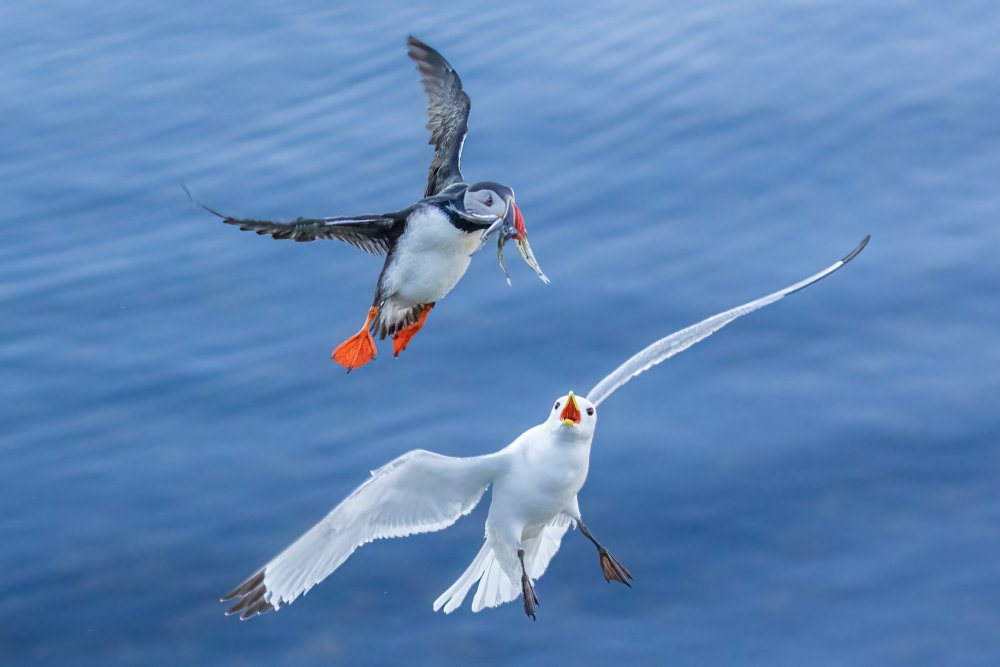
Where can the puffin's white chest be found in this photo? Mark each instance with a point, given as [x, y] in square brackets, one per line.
[430, 258]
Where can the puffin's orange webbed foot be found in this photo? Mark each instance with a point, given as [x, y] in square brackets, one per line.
[359, 349]
[403, 337]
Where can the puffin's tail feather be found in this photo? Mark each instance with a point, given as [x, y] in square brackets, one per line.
[393, 317]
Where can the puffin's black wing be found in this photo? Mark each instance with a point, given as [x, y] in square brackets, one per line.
[371, 233]
[447, 112]
[368, 232]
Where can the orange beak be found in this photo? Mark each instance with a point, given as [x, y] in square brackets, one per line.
[520, 236]
[520, 232]
[570, 415]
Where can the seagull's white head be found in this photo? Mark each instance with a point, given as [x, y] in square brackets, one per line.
[573, 415]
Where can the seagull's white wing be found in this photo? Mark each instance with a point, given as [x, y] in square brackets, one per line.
[677, 342]
[419, 492]
[545, 546]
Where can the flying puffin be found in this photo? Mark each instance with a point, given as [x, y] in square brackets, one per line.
[535, 482]
[429, 245]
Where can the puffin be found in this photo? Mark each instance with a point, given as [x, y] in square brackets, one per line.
[427, 246]
[535, 483]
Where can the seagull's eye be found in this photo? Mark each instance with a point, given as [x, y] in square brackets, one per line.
[590, 411]
[557, 406]
[489, 201]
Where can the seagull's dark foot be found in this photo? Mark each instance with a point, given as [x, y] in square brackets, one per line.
[528, 594]
[612, 569]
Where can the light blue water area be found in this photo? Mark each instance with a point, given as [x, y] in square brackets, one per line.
[816, 485]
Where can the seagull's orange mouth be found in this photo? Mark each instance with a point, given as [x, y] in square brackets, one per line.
[570, 415]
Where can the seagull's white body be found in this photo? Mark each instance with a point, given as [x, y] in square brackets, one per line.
[535, 481]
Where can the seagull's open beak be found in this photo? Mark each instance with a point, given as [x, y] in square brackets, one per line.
[571, 413]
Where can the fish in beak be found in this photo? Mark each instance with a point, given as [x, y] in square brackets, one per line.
[570, 415]
[514, 229]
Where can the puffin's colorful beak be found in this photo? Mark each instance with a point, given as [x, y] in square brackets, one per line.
[571, 413]
[519, 231]
[520, 236]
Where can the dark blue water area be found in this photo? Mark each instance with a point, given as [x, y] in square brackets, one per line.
[819, 484]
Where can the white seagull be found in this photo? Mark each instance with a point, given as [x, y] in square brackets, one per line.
[535, 482]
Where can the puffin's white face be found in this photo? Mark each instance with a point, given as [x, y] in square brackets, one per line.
[485, 203]
[574, 415]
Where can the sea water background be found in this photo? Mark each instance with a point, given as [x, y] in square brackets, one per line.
[816, 485]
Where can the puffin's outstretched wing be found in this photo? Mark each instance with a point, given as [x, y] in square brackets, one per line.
[448, 115]
[677, 342]
[419, 492]
[368, 232]
[371, 233]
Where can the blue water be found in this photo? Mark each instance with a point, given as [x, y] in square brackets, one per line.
[816, 485]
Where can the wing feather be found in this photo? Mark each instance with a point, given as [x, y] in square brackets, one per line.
[447, 115]
[418, 492]
[547, 544]
[371, 233]
[681, 340]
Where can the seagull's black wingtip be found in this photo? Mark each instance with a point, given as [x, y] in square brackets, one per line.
[854, 253]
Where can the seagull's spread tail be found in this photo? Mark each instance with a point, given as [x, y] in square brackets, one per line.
[452, 598]
[495, 587]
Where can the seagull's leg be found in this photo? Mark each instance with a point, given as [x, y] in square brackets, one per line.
[527, 590]
[610, 567]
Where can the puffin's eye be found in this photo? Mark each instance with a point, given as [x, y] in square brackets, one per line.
[590, 411]
[489, 200]
[557, 406]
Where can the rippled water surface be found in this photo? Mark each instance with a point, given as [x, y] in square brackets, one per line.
[816, 485]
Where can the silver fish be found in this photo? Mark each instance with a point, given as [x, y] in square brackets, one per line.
[501, 239]
[529, 257]
[508, 232]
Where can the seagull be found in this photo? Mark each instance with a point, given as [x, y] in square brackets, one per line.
[428, 245]
[535, 481]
